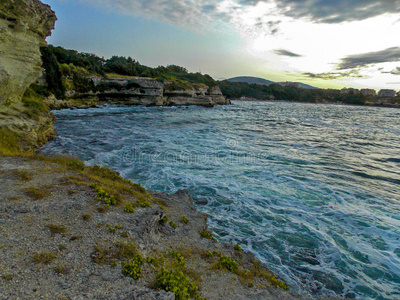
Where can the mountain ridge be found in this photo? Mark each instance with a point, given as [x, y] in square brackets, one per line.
[262, 81]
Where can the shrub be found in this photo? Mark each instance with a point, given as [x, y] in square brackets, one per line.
[207, 254]
[237, 248]
[129, 208]
[125, 250]
[180, 260]
[228, 263]
[143, 203]
[207, 234]
[103, 196]
[133, 268]
[173, 225]
[184, 220]
[176, 282]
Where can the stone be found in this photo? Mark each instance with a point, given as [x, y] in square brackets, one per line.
[24, 25]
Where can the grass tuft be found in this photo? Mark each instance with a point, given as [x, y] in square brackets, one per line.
[56, 229]
[36, 193]
[43, 258]
[23, 175]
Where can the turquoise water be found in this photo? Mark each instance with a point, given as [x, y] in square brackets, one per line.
[312, 190]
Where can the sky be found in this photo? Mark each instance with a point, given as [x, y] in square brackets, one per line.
[324, 43]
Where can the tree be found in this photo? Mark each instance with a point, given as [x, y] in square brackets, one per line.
[52, 73]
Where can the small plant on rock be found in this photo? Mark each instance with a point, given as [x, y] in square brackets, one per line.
[225, 262]
[176, 282]
[129, 208]
[43, 258]
[207, 234]
[184, 220]
[173, 225]
[36, 193]
[237, 248]
[133, 268]
[56, 229]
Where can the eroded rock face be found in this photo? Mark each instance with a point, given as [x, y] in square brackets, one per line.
[24, 25]
[150, 92]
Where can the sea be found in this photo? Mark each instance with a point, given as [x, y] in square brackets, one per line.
[312, 190]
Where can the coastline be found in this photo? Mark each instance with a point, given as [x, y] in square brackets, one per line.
[300, 102]
[82, 249]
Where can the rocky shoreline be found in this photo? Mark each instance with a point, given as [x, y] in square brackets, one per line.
[70, 231]
[59, 242]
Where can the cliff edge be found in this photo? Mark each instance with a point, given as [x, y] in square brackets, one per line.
[24, 25]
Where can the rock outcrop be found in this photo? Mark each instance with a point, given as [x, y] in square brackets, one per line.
[150, 92]
[24, 25]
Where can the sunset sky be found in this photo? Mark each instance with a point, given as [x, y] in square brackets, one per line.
[324, 43]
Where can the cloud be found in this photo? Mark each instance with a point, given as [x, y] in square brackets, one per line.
[331, 11]
[334, 75]
[395, 71]
[192, 13]
[365, 59]
[283, 52]
[203, 13]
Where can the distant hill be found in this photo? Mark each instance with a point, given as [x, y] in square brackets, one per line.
[258, 80]
[250, 80]
[306, 86]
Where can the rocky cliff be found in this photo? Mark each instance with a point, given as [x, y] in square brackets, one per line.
[24, 25]
[150, 92]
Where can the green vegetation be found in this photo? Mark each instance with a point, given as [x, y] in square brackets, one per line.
[184, 220]
[129, 208]
[23, 175]
[43, 258]
[37, 193]
[133, 268]
[103, 195]
[278, 92]
[53, 74]
[246, 276]
[207, 234]
[10, 142]
[173, 224]
[179, 259]
[226, 262]
[34, 107]
[56, 229]
[237, 248]
[176, 282]
[70, 70]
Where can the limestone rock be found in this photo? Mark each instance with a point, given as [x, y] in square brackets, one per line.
[24, 25]
[150, 92]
